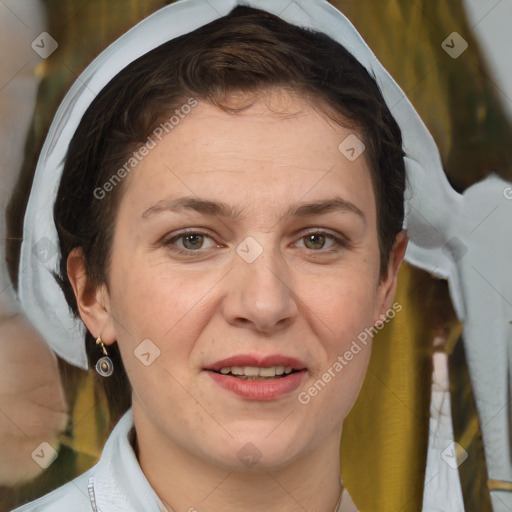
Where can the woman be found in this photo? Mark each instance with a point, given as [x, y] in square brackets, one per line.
[244, 325]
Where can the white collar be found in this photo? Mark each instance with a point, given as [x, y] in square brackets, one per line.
[118, 483]
[117, 480]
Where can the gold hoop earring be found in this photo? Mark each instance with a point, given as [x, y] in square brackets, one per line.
[104, 366]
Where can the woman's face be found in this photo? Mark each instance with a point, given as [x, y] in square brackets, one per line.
[246, 241]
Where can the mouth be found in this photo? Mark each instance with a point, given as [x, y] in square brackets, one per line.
[255, 373]
[256, 377]
[256, 367]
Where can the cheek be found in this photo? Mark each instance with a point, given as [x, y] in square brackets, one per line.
[343, 321]
[345, 303]
[159, 304]
[152, 299]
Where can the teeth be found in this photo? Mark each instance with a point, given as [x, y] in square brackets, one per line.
[267, 372]
[252, 371]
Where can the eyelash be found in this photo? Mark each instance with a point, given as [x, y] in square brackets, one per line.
[339, 242]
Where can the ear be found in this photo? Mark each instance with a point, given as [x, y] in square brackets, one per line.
[387, 285]
[93, 301]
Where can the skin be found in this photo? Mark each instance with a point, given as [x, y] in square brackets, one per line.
[303, 299]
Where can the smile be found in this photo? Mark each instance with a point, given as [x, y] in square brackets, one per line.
[255, 373]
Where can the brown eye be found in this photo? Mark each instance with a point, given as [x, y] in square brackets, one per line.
[314, 241]
[323, 242]
[190, 242]
[193, 241]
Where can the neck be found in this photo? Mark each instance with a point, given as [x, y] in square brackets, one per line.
[186, 482]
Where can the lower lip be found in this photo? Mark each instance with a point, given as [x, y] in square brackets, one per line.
[262, 390]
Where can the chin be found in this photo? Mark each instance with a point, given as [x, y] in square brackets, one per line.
[260, 451]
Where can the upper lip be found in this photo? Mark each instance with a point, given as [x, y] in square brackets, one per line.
[243, 360]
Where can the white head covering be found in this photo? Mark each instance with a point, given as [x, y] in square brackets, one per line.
[436, 221]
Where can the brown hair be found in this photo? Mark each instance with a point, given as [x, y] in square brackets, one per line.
[248, 51]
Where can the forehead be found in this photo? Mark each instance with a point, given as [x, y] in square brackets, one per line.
[277, 150]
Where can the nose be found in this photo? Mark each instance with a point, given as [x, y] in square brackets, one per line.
[260, 295]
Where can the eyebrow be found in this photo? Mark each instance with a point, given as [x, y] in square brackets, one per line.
[221, 209]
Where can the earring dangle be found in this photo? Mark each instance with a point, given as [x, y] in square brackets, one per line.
[104, 366]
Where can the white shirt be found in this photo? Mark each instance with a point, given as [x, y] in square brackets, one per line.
[115, 483]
